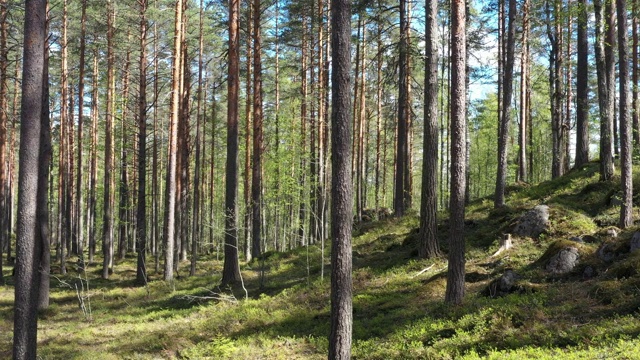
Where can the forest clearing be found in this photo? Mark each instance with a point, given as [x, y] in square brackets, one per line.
[398, 307]
[319, 178]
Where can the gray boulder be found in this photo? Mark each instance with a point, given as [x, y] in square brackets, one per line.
[606, 252]
[635, 242]
[564, 261]
[533, 223]
[503, 285]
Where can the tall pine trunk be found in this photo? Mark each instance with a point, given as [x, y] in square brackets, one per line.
[505, 119]
[582, 88]
[29, 250]
[141, 227]
[626, 150]
[231, 268]
[455, 274]
[341, 184]
[109, 168]
[429, 200]
[171, 186]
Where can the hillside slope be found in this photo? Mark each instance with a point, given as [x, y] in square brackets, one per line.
[398, 298]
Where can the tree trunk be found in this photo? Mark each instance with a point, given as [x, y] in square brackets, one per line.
[626, 210]
[379, 132]
[341, 185]
[155, 203]
[171, 186]
[109, 183]
[401, 193]
[141, 227]
[505, 119]
[81, 71]
[195, 227]
[29, 250]
[428, 246]
[524, 103]
[124, 174]
[455, 275]
[4, 179]
[582, 89]
[256, 175]
[231, 269]
[93, 176]
[42, 231]
[634, 72]
[247, 138]
[605, 70]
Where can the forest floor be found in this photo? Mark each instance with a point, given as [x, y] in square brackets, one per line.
[398, 299]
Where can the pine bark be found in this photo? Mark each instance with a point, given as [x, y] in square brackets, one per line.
[605, 69]
[43, 235]
[402, 193]
[195, 226]
[256, 173]
[81, 74]
[141, 226]
[29, 250]
[231, 268]
[525, 79]
[428, 246]
[247, 138]
[634, 75]
[109, 158]
[341, 184]
[93, 176]
[4, 149]
[171, 186]
[582, 88]
[455, 275]
[626, 150]
[505, 119]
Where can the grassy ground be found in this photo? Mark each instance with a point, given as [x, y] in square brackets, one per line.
[398, 298]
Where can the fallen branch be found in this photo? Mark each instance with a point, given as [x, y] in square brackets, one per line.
[423, 271]
[212, 296]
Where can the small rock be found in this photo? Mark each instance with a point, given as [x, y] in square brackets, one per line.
[606, 252]
[588, 272]
[611, 232]
[564, 261]
[507, 280]
[590, 239]
[503, 285]
[635, 242]
[576, 239]
[533, 223]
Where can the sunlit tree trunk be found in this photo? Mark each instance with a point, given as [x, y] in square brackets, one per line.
[93, 176]
[505, 119]
[247, 138]
[605, 72]
[4, 149]
[81, 73]
[42, 213]
[141, 217]
[455, 275]
[524, 103]
[582, 88]
[256, 175]
[626, 150]
[428, 246]
[341, 184]
[29, 250]
[171, 188]
[231, 269]
[109, 158]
